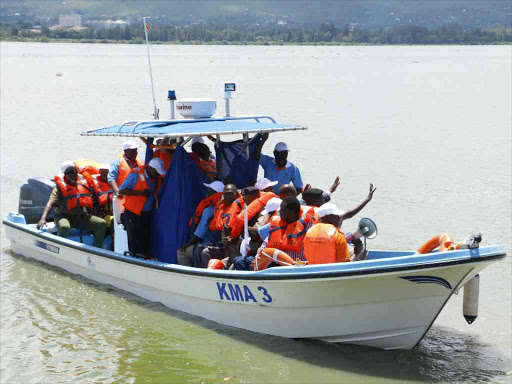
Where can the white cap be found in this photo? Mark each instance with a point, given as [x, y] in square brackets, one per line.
[197, 140]
[280, 147]
[329, 209]
[104, 166]
[67, 164]
[130, 144]
[158, 164]
[272, 205]
[264, 184]
[217, 186]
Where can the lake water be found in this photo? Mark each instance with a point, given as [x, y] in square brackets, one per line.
[429, 126]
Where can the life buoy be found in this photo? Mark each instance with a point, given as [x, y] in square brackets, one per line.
[269, 255]
[444, 241]
[215, 264]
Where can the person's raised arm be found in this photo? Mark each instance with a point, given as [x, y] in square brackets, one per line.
[356, 210]
[256, 153]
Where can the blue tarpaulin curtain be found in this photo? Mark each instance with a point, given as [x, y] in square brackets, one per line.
[181, 192]
[236, 167]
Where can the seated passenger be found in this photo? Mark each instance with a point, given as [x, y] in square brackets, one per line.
[324, 242]
[103, 194]
[213, 196]
[217, 220]
[141, 190]
[70, 198]
[202, 157]
[287, 190]
[285, 232]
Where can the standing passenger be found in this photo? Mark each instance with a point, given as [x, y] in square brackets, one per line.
[140, 190]
[121, 168]
[278, 168]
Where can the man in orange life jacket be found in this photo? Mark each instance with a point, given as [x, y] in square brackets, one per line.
[140, 190]
[70, 198]
[121, 168]
[223, 212]
[202, 157]
[103, 194]
[285, 232]
[324, 242]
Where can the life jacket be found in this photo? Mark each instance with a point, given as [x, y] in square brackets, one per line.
[75, 196]
[209, 167]
[223, 213]
[102, 189]
[253, 210]
[205, 203]
[135, 204]
[125, 168]
[86, 165]
[311, 214]
[165, 156]
[320, 244]
[288, 237]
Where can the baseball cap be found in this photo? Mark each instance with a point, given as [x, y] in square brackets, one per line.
[272, 205]
[313, 192]
[158, 164]
[104, 166]
[67, 164]
[250, 191]
[264, 184]
[129, 144]
[329, 209]
[217, 186]
[281, 146]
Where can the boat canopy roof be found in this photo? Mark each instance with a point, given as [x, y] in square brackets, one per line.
[195, 127]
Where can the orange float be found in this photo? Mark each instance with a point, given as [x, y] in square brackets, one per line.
[269, 255]
[444, 241]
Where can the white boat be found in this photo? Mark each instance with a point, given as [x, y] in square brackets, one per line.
[388, 301]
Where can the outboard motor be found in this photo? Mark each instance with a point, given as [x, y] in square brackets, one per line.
[34, 196]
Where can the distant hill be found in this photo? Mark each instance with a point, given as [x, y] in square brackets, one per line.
[364, 13]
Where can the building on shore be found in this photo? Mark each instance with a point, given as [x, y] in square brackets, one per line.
[70, 20]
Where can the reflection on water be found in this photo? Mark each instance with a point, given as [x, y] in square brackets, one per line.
[81, 330]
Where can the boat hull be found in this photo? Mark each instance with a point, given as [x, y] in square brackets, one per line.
[390, 308]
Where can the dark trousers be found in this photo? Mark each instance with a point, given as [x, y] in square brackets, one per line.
[138, 228]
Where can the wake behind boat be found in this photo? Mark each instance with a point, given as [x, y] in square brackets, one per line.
[389, 301]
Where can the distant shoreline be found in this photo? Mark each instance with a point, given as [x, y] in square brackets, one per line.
[247, 43]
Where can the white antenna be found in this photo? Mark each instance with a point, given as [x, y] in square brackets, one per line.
[156, 111]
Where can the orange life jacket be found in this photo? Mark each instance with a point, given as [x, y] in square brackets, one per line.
[86, 165]
[223, 213]
[102, 189]
[209, 167]
[288, 236]
[253, 209]
[125, 168]
[320, 244]
[77, 195]
[166, 157]
[205, 203]
[135, 204]
[311, 214]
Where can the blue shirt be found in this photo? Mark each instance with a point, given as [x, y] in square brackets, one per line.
[264, 231]
[113, 172]
[202, 231]
[284, 176]
[130, 182]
